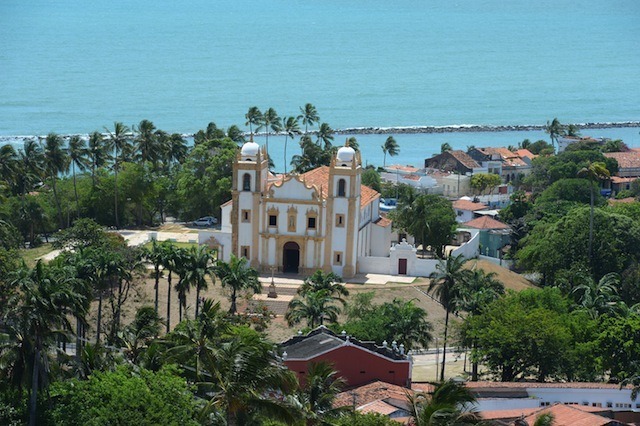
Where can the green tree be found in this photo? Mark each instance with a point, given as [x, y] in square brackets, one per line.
[619, 345]
[482, 182]
[237, 276]
[317, 396]
[390, 147]
[98, 154]
[309, 116]
[254, 118]
[555, 129]
[446, 286]
[594, 172]
[200, 265]
[235, 134]
[445, 147]
[325, 136]
[352, 142]
[30, 167]
[8, 163]
[78, 155]
[56, 162]
[118, 141]
[271, 121]
[324, 281]
[125, 397]
[316, 307]
[291, 128]
[371, 178]
[450, 403]
[146, 143]
[600, 297]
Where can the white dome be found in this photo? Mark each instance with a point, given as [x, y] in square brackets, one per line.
[250, 149]
[465, 198]
[346, 153]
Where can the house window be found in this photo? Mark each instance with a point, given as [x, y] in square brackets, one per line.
[341, 188]
[246, 182]
[311, 223]
[246, 215]
[273, 220]
[337, 258]
[245, 251]
[340, 221]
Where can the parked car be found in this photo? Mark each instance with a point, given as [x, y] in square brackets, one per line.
[205, 221]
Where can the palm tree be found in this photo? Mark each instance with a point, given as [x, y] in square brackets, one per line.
[352, 142]
[321, 281]
[78, 154]
[119, 142]
[317, 396]
[594, 172]
[450, 403]
[325, 135]
[200, 266]
[238, 276]
[97, 153]
[8, 164]
[56, 162]
[600, 297]
[390, 147]
[170, 259]
[155, 255]
[235, 134]
[182, 263]
[316, 308]
[309, 116]
[254, 118]
[39, 310]
[555, 129]
[176, 149]
[146, 142]
[30, 167]
[479, 290]
[291, 128]
[446, 283]
[445, 147]
[271, 122]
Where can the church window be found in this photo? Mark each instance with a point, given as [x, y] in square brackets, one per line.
[246, 215]
[244, 251]
[246, 182]
[273, 220]
[341, 188]
[337, 258]
[340, 221]
[311, 223]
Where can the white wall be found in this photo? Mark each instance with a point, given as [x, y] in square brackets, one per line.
[380, 240]
[463, 216]
[374, 265]
[471, 248]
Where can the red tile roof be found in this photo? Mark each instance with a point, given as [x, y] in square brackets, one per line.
[618, 179]
[486, 222]
[525, 153]
[464, 159]
[371, 392]
[379, 407]
[409, 169]
[468, 205]
[514, 413]
[320, 179]
[502, 152]
[570, 415]
[383, 221]
[626, 160]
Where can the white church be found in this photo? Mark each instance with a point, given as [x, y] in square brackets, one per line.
[298, 223]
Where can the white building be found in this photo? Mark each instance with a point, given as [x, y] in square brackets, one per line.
[323, 219]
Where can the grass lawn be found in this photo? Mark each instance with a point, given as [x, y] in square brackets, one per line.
[30, 255]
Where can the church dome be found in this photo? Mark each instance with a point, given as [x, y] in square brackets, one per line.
[250, 149]
[346, 153]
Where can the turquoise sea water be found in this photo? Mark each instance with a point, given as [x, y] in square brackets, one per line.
[75, 66]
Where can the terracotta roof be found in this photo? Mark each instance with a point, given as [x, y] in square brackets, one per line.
[411, 177]
[465, 159]
[374, 391]
[525, 153]
[618, 179]
[515, 413]
[515, 162]
[409, 169]
[320, 179]
[468, 205]
[422, 387]
[504, 153]
[383, 221]
[626, 160]
[570, 415]
[486, 222]
[379, 407]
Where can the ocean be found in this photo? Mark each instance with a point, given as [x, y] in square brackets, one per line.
[75, 66]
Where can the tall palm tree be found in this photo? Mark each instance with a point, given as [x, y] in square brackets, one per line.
[600, 297]
[291, 127]
[254, 118]
[155, 255]
[146, 142]
[446, 286]
[235, 134]
[170, 261]
[318, 394]
[177, 149]
[352, 142]
[119, 143]
[390, 147]
[555, 129]
[309, 116]
[325, 135]
[97, 154]
[479, 290]
[182, 264]
[78, 155]
[30, 166]
[316, 308]
[449, 403]
[56, 161]
[200, 266]
[8, 164]
[271, 122]
[594, 172]
[237, 275]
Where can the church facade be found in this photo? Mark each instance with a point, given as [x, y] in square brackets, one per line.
[323, 219]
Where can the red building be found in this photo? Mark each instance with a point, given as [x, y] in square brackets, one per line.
[357, 362]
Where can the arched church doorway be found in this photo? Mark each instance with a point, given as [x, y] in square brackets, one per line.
[291, 257]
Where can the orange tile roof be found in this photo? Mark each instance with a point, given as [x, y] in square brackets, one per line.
[626, 160]
[515, 413]
[570, 415]
[320, 179]
[383, 221]
[525, 153]
[379, 407]
[618, 179]
[502, 152]
[410, 169]
[468, 205]
[371, 392]
[486, 222]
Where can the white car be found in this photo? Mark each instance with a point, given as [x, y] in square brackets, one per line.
[205, 221]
